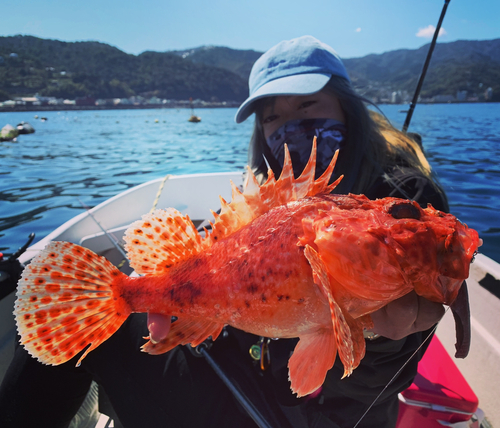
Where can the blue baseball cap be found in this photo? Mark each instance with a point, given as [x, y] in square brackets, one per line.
[299, 66]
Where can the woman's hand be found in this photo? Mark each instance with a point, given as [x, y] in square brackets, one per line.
[406, 315]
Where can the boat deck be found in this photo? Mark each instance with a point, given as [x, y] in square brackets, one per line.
[481, 368]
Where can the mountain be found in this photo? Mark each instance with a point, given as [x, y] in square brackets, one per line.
[68, 70]
[30, 65]
[237, 61]
[463, 65]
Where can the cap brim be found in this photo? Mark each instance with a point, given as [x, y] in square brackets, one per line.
[302, 84]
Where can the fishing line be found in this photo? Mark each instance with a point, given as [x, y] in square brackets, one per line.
[398, 372]
[113, 240]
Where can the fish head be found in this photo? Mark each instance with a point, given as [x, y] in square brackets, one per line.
[379, 250]
[438, 247]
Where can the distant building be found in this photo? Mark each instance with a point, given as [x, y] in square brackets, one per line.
[137, 100]
[444, 98]
[121, 101]
[396, 97]
[85, 101]
[488, 94]
[461, 95]
[29, 101]
[405, 96]
[44, 101]
[105, 102]
[154, 100]
[55, 101]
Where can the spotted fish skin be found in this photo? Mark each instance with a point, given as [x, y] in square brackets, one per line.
[257, 279]
[285, 259]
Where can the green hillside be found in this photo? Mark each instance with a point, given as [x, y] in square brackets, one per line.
[30, 65]
[70, 70]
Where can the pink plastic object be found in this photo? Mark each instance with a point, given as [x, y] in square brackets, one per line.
[439, 396]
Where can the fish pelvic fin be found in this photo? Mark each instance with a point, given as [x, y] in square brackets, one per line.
[161, 239]
[256, 200]
[346, 331]
[185, 331]
[65, 302]
[313, 356]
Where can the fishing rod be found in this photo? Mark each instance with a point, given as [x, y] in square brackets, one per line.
[202, 349]
[245, 402]
[424, 69]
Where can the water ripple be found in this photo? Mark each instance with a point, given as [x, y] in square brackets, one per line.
[93, 155]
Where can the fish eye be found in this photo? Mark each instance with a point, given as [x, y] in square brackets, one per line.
[404, 210]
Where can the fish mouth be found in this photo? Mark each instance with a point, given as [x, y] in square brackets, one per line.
[459, 250]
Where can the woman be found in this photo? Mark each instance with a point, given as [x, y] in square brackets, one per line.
[298, 89]
[292, 101]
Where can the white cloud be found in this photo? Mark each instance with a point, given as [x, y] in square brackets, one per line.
[428, 32]
[358, 30]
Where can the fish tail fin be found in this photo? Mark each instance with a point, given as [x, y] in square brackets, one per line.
[66, 300]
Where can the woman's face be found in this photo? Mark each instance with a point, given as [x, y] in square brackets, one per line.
[321, 105]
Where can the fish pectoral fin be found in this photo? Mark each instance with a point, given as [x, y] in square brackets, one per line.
[161, 239]
[341, 328]
[313, 356]
[183, 331]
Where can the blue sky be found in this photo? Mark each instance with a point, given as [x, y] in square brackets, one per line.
[354, 28]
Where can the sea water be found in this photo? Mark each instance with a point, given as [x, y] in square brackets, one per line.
[81, 158]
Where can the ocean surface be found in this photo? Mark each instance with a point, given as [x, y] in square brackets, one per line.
[78, 158]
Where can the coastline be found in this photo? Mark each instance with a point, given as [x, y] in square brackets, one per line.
[179, 105]
[66, 107]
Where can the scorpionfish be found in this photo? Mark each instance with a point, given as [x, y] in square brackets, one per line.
[284, 259]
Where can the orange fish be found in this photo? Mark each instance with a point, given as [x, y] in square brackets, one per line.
[285, 259]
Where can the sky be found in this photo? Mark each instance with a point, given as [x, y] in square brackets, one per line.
[354, 28]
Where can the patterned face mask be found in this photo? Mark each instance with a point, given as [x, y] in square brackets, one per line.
[298, 136]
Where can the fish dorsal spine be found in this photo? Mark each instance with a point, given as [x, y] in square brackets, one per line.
[165, 237]
[256, 200]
